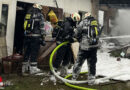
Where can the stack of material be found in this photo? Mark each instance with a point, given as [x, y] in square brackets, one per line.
[75, 49]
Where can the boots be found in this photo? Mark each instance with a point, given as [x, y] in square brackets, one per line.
[63, 70]
[25, 68]
[52, 77]
[91, 79]
[74, 78]
[34, 69]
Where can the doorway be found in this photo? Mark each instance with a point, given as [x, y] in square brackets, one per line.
[19, 29]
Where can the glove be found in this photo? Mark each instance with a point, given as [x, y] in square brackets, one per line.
[92, 41]
[75, 40]
[42, 42]
[72, 40]
[67, 37]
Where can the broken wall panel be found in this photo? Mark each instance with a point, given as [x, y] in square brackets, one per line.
[45, 52]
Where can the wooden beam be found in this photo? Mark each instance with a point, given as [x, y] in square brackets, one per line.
[95, 8]
[46, 51]
[103, 8]
[106, 22]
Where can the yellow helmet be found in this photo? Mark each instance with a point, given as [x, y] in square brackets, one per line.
[37, 6]
[75, 17]
[88, 14]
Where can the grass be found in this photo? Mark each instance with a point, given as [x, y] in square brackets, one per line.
[33, 83]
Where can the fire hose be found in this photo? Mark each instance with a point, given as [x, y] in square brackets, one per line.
[70, 82]
[65, 80]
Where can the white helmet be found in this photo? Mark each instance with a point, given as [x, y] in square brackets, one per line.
[75, 17]
[87, 15]
[37, 6]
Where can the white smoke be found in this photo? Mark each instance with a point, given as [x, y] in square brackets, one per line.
[122, 25]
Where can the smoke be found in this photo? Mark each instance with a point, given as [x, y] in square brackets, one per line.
[121, 25]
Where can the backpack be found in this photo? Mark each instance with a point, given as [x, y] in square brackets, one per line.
[58, 30]
[28, 23]
[31, 22]
[92, 30]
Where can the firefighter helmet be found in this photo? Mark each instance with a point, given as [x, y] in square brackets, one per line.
[88, 14]
[75, 17]
[37, 6]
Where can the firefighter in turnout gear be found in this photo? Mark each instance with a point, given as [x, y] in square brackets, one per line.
[34, 36]
[64, 31]
[87, 35]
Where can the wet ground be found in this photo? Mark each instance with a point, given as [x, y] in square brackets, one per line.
[33, 83]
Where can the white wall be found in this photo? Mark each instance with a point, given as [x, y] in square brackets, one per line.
[10, 24]
[68, 6]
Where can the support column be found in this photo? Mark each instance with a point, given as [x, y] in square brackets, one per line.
[106, 22]
[95, 8]
[11, 26]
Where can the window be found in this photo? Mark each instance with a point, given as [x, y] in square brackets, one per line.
[4, 17]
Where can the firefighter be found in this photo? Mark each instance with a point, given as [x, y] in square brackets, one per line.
[34, 36]
[87, 36]
[64, 31]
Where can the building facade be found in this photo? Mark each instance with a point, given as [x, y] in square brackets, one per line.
[68, 6]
